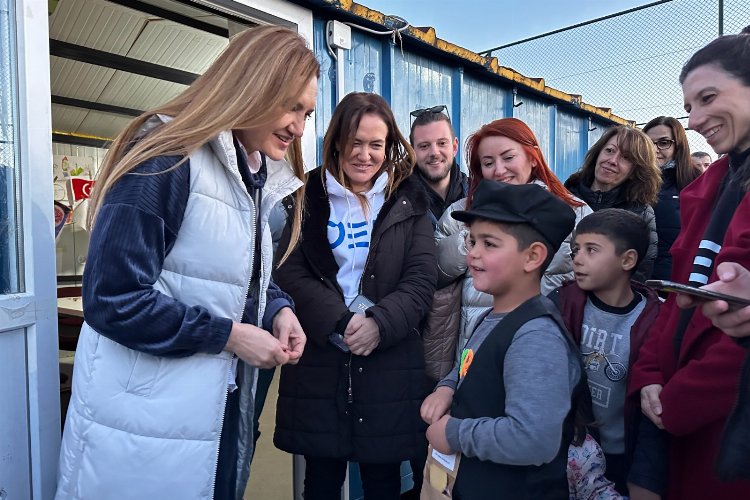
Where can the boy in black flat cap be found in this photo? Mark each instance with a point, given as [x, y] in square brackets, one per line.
[507, 406]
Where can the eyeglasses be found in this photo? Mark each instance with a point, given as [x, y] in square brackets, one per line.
[663, 144]
[435, 109]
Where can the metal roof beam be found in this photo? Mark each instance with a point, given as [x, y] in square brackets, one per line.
[78, 140]
[95, 106]
[108, 60]
[169, 15]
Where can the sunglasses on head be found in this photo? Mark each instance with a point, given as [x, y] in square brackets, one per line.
[435, 109]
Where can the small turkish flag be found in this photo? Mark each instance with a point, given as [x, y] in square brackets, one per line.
[81, 188]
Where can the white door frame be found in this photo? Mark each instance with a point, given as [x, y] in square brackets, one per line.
[31, 315]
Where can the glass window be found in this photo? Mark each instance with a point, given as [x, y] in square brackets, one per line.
[9, 167]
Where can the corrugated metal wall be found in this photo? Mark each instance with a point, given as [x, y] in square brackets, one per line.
[569, 148]
[419, 82]
[481, 102]
[409, 80]
[538, 116]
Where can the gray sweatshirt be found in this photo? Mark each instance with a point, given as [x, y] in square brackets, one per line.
[539, 374]
[605, 347]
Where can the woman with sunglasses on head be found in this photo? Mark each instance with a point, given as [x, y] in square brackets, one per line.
[677, 171]
[619, 171]
[505, 150]
[688, 370]
[366, 239]
[180, 307]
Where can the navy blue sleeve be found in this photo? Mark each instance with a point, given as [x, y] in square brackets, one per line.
[135, 228]
[276, 300]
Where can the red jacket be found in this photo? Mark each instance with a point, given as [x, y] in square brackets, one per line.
[572, 301]
[700, 386]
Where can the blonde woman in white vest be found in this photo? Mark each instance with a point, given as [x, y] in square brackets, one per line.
[179, 306]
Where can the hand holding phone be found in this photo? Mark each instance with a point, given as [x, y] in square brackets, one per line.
[698, 294]
[734, 279]
[337, 340]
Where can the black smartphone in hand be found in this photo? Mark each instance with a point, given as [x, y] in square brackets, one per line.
[337, 340]
[699, 293]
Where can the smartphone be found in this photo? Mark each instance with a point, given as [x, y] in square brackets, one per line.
[700, 293]
[337, 340]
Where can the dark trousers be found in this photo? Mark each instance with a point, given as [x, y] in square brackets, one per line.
[617, 471]
[417, 469]
[650, 458]
[325, 476]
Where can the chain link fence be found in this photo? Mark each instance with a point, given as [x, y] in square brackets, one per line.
[629, 61]
[8, 207]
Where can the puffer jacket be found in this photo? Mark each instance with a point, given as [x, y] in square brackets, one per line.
[440, 333]
[169, 410]
[599, 200]
[444, 320]
[451, 237]
[340, 405]
[667, 220]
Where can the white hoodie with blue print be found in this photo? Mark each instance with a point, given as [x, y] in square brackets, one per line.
[350, 230]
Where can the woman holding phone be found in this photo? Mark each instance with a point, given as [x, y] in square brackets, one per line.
[688, 369]
[733, 280]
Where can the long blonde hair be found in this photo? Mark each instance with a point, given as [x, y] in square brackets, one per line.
[294, 158]
[258, 77]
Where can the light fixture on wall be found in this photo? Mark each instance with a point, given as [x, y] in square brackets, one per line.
[515, 96]
[338, 39]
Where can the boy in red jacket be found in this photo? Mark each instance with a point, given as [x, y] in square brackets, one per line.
[608, 315]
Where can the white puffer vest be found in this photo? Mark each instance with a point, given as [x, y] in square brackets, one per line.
[142, 426]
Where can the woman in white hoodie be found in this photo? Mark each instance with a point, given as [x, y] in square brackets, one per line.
[505, 150]
[366, 239]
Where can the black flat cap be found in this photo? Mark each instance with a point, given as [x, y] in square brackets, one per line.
[521, 203]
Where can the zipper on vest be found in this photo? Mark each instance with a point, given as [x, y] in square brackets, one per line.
[221, 428]
[231, 361]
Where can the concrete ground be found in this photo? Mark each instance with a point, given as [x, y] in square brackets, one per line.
[271, 471]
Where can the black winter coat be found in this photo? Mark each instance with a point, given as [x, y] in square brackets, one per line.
[599, 200]
[667, 212]
[380, 422]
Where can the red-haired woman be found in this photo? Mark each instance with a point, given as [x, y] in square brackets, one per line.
[504, 150]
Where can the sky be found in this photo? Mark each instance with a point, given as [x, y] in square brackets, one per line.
[639, 89]
[479, 25]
